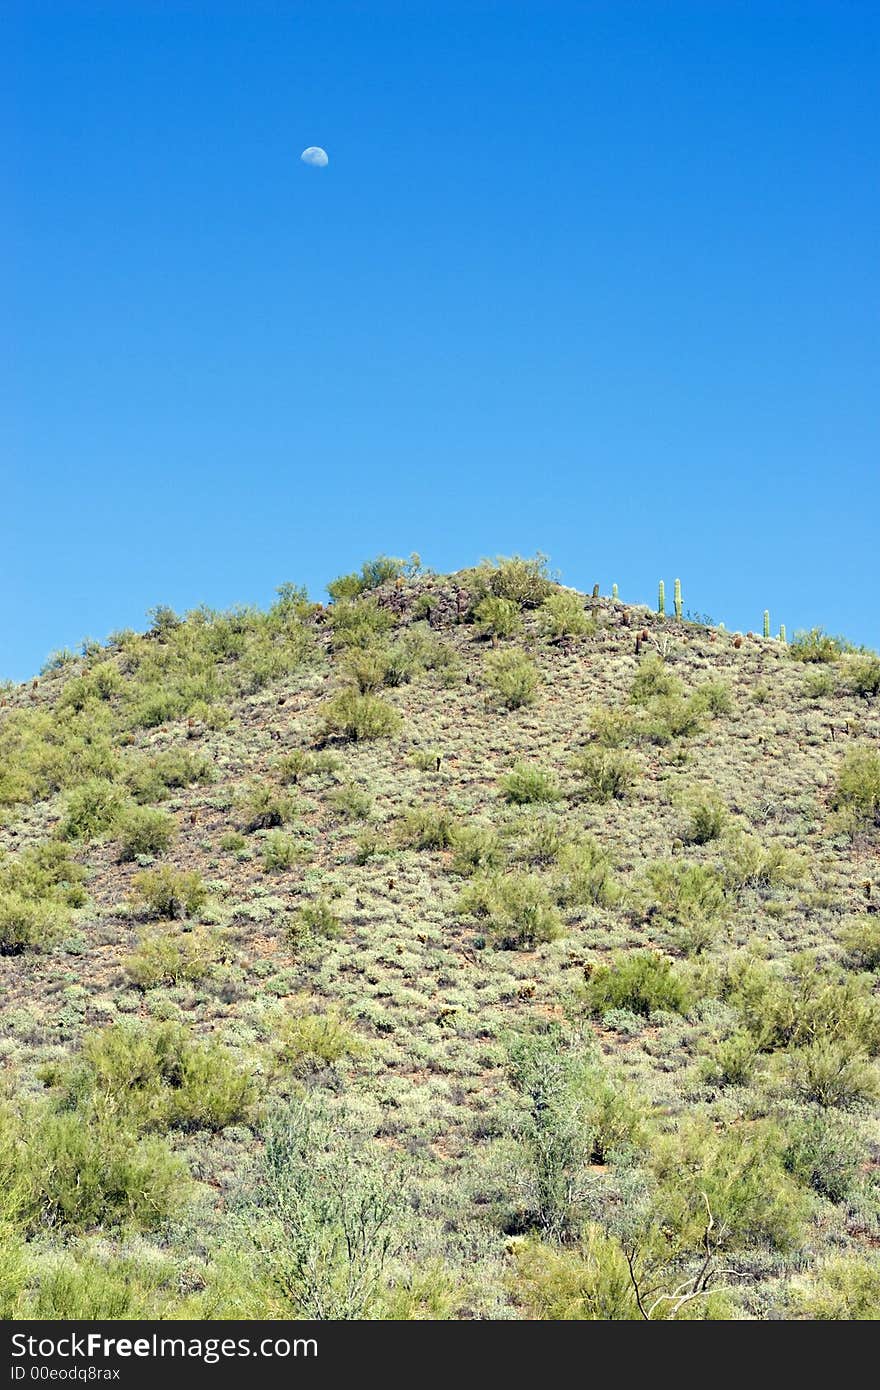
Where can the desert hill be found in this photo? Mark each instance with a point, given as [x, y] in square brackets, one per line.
[464, 947]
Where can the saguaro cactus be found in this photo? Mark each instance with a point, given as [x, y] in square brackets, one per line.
[766, 622]
[615, 593]
[661, 599]
[783, 635]
[677, 598]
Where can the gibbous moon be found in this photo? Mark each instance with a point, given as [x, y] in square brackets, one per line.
[315, 156]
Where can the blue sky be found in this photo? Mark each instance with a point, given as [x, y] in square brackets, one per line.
[595, 278]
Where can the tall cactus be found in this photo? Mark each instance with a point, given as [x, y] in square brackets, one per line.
[783, 635]
[766, 622]
[677, 598]
[661, 599]
[615, 593]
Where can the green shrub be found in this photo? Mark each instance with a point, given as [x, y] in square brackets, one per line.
[654, 679]
[359, 623]
[576, 1115]
[153, 1077]
[294, 767]
[262, 806]
[427, 827]
[589, 1284]
[427, 759]
[544, 840]
[612, 728]
[280, 851]
[527, 785]
[46, 870]
[748, 864]
[862, 675]
[169, 892]
[28, 923]
[350, 715]
[475, 848]
[605, 774]
[307, 1041]
[315, 919]
[824, 1151]
[167, 957]
[14, 1270]
[523, 582]
[819, 683]
[324, 1215]
[857, 791]
[350, 802]
[88, 1286]
[817, 646]
[830, 1072]
[669, 717]
[811, 1006]
[74, 1172]
[845, 1289]
[92, 809]
[371, 667]
[737, 1175]
[367, 668]
[38, 887]
[707, 817]
[498, 617]
[731, 1061]
[860, 938]
[143, 830]
[372, 575]
[689, 899]
[151, 779]
[232, 842]
[641, 981]
[513, 677]
[713, 697]
[585, 874]
[562, 615]
[517, 906]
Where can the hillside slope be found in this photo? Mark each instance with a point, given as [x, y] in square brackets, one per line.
[529, 938]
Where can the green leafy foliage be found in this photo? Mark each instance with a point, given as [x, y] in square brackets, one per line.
[169, 892]
[605, 774]
[857, 792]
[815, 645]
[641, 981]
[351, 715]
[516, 906]
[513, 677]
[144, 830]
[528, 785]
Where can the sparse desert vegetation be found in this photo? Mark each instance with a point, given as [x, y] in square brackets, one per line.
[467, 947]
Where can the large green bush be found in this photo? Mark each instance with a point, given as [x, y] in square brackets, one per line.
[427, 827]
[641, 981]
[92, 809]
[144, 830]
[527, 785]
[857, 791]
[516, 906]
[498, 617]
[77, 1170]
[153, 1077]
[513, 677]
[563, 615]
[169, 892]
[604, 774]
[815, 645]
[350, 715]
[167, 956]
